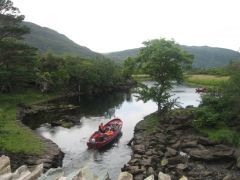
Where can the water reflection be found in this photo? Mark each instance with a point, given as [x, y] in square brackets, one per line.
[94, 110]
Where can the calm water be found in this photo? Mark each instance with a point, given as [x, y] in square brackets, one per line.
[93, 111]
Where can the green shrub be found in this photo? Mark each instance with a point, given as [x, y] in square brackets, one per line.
[205, 117]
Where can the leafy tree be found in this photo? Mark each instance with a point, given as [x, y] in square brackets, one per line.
[128, 67]
[51, 73]
[16, 58]
[164, 61]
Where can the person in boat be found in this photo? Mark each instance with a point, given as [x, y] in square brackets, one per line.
[101, 128]
[109, 133]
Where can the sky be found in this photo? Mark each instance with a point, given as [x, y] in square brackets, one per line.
[114, 25]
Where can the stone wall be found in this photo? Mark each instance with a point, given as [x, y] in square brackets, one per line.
[177, 149]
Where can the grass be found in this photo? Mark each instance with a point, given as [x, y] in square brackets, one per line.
[150, 123]
[223, 134]
[205, 80]
[13, 138]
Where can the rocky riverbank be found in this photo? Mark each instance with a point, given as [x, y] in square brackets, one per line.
[177, 149]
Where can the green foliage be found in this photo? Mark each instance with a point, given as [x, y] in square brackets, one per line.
[205, 117]
[16, 58]
[51, 73]
[164, 62]
[129, 66]
[223, 134]
[219, 113]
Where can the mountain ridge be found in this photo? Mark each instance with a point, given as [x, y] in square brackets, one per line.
[46, 39]
[204, 56]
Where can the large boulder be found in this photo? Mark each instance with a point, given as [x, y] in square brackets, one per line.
[125, 176]
[53, 173]
[218, 152]
[5, 165]
[36, 172]
[162, 176]
[150, 178]
[85, 174]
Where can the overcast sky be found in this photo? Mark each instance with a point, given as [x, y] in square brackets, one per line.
[113, 25]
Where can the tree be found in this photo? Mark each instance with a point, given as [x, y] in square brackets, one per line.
[165, 62]
[16, 58]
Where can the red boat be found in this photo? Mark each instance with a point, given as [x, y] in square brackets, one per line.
[111, 131]
[201, 90]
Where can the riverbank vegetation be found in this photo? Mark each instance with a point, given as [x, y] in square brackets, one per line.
[218, 115]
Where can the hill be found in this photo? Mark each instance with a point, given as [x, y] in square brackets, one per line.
[47, 39]
[204, 56]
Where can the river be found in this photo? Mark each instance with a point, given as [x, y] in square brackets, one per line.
[93, 111]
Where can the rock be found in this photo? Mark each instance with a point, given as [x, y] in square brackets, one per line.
[133, 161]
[228, 177]
[136, 169]
[164, 162]
[181, 166]
[176, 145]
[62, 178]
[176, 160]
[146, 162]
[5, 165]
[183, 178]
[206, 173]
[162, 176]
[138, 177]
[85, 173]
[21, 172]
[125, 176]
[205, 141]
[161, 138]
[35, 173]
[138, 156]
[238, 163]
[53, 173]
[150, 178]
[170, 152]
[139, 149]
[219, 152]
[150, 171]
[149, 153]
[189, 144]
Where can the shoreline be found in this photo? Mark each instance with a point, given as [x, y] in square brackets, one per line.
[174, 147]
[51, 157]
